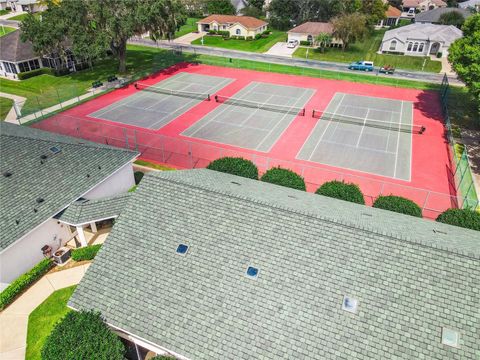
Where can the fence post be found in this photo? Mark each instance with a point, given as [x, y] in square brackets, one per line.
[126, 138]
[135, 139]
[58, 97]
[425, 202]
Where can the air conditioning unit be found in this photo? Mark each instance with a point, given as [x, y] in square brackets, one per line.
[61, 256]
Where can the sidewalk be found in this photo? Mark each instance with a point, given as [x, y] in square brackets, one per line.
[14, 319]
[19, 100]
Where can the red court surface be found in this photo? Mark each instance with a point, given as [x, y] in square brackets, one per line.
[431, 185]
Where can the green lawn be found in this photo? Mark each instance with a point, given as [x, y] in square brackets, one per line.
[21, 17]
[260, 45]
[190, 26]
[5, 106]
[4, 30]
[42, 320]
[367, 50]
[4, 12]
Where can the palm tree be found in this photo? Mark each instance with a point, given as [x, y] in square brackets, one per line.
[323, 39]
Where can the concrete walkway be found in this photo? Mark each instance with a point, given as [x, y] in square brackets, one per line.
[19, 100]
[188, 38]
[281, 49]
[14, 319]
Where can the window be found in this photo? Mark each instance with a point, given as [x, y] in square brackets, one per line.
[409, 47]
[252, 272]
[393, 44]
[415, 47]
[349, 304]
[450, 337]
[182, 249]
[238, 32]
[420, 48]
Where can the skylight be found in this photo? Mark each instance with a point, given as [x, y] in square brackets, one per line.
[252, 272]
[55, 150]
[182, 249]
[349, 304]
[450, 337]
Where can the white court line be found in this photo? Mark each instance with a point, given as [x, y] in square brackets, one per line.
[398, 142]
[369, 107]
[358, 147]
[390, 132]
[324, 130]
[363, 127]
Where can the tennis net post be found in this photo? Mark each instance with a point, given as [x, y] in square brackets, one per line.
[181, 93]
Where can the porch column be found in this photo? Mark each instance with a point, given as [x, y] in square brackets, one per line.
[93, 226]
[81, 236]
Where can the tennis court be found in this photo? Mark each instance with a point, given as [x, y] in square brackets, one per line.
[363, 133]
[154, 106]
[254, 118]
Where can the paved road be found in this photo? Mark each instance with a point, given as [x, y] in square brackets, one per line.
[314, 64]
[10, 23]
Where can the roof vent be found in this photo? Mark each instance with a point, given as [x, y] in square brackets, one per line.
[291, 196]
[439, 232]
[7, 174]
[349, 304]
[17, 221]
[450, 337]
[182, 249]
[40, 200]
[43, 156]
[35, 210]
[55, 150]
[88, 175]
[366, 214]
[235, 183]
[99, 167]
[252, 272]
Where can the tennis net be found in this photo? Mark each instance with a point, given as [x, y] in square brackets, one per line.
[410, 128]
[261, 106]
[181, 93]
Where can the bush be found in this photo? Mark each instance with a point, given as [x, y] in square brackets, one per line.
[284, 177]
[162, 357]
[138, 175]
[240, 37]
[249, 38]
[305, 43]
[36, 72]
[23, 282]
[82, 335]
[235, 166]
[224, 33]
[258, 36]
[342, 191]
[266, 32]
[85, 253]
[465, 218]
[439, 54]
[212, 32]
[398, 204]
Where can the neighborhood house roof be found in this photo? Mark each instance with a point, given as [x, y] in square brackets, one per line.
[85, 211]
[313, 28]
[13, 49]
[269, 272]
[42, 173]
[446, 34]
[392, 12]
[469, 3]
[417, 3]
[247, 21]
[433, 16]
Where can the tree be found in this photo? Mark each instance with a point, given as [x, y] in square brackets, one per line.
[454, 18]
[323, 39]
[464, 55]
[349, 28]
[223, 7]
[82, 335]
[374, 10]
[284, 14]
[93, 27]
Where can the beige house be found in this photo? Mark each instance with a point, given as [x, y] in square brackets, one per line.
[235, 25]
[423, 5]
[310, 30]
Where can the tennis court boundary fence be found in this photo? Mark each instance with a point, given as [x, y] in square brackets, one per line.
[189, 154]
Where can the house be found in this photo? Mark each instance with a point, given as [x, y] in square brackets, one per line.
[433, 16]
[31, 6]
[17, 56]
[207, 265]
[392, 16]
[239, 5]
[310, 30]
[422, 5]
[236, 25]
[470, 4]
[420, 39]
[42, 174]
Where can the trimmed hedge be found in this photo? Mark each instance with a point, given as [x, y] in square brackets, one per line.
[465, 218]
[85, 253]
[235, 166]
[305, 43]
[82, 335]
[341, 190]
[284, 177]
[162, 357]
[138, 175]
[398, 204]
[36, 72]
[23, 282]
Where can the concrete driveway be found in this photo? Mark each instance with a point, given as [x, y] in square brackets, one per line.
[281, 49]
[188, 38]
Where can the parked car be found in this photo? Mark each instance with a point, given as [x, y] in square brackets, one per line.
[361, 65]
[387, 69]
[292, 43]
[411, 12]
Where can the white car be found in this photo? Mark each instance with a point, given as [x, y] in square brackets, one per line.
[292, 43]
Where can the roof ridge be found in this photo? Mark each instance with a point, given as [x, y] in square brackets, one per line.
[346, 223]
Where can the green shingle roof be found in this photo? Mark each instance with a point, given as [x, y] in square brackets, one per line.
[57, 179]
[411, 277]
[86, 211]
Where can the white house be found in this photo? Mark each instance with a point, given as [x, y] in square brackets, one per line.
[236, 25]
[41, 175]
[422, 5]
[392, 16]
[310, 30]
[434, 16]
[420, 39]
[470, 4]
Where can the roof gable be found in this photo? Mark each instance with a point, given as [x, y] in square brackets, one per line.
[13, 49]
[246, 21]
[314, 28]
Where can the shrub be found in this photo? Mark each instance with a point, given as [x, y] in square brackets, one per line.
[284, 177]
[23, 282]
[212, 32]
[439, 54]
[258, 36]
[305, 43]
[138, 176]
[398, 204]
[85, 253]
[36, 72]
[162, 357]
[266, 32]
[235, 166]
[465, 218]
[249, 38]
[342, 191]
[224, 33]
[82, 335]
[240, 37]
